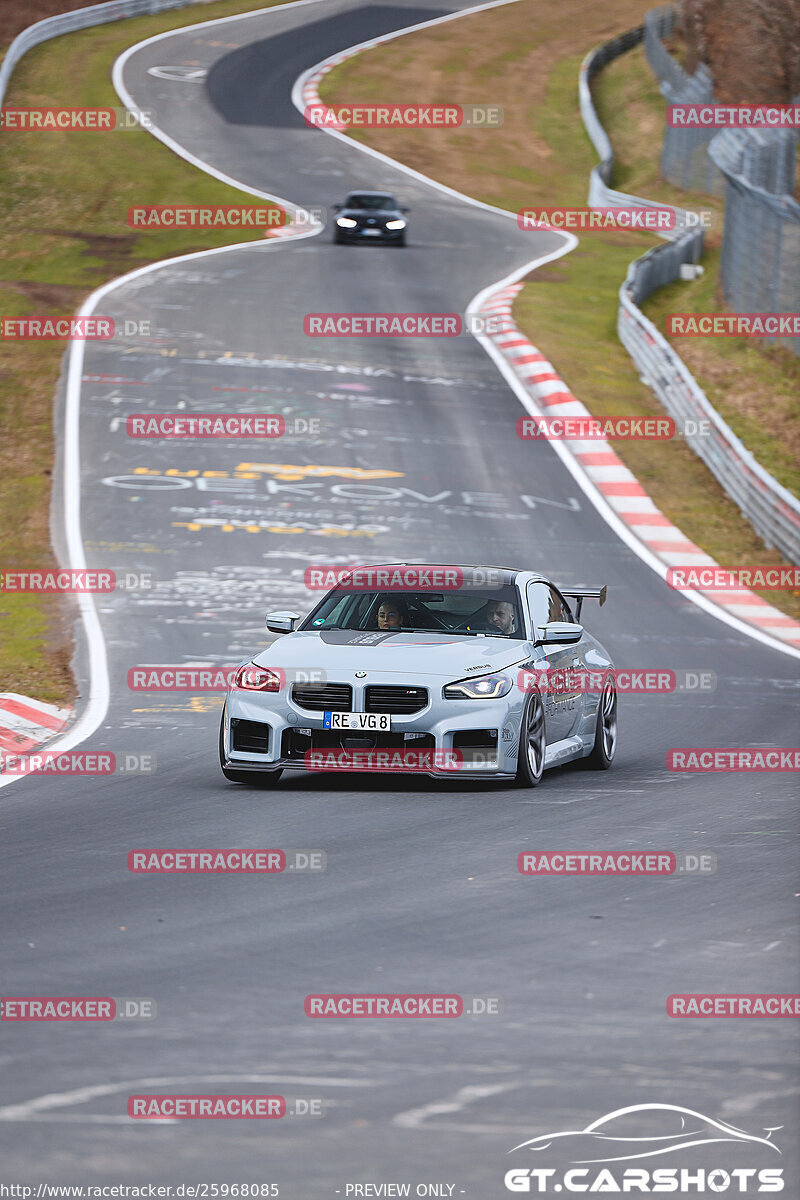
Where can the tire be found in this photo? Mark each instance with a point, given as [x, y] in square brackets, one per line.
[261, 778]
[605, 735]
[532, 743]
[401, 241]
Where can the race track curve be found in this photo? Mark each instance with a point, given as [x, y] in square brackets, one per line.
[421, 890]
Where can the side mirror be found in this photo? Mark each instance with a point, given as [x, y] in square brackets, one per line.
[337, 207]
[404, 208]
[282, 622]
[562, 633]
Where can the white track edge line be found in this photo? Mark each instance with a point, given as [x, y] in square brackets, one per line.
[504, 365]
[596, 498]
[100, 694]
[92, 715]
[302, 80]
[176, 147]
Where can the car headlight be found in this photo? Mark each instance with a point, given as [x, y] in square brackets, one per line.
[252, 678]
[483, 687]
[346, 222]
[395, 224]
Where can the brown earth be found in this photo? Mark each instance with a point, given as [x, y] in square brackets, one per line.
[751, 46]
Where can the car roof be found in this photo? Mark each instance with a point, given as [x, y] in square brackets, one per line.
[366, 192]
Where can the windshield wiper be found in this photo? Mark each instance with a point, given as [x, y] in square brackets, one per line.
[454, 632]
[483, 633]
[409, 629]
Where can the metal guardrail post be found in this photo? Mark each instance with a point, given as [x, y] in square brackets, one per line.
[81, 18]
[770, 508]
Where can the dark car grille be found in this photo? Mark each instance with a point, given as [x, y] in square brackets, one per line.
[296, 743]
[401, 700]
[476, 746]
[323, 697]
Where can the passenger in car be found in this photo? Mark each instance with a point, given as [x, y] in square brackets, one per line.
[392, 614]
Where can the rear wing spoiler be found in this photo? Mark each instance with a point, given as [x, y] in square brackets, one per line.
[585, 593]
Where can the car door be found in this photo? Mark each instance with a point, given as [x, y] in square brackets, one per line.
[562, 700]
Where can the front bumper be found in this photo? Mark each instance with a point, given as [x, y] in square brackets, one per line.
[269, 731]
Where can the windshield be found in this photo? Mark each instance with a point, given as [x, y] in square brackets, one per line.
[357, 200]
[494, 611]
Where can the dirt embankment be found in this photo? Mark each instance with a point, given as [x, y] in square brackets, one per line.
[752, 47]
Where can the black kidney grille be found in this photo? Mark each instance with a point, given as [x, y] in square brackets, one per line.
[323, 697]
[391, 699]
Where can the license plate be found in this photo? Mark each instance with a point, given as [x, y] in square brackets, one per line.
[371, 232]
[370, 721]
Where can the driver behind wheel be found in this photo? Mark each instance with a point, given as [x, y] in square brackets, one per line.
[496, 616]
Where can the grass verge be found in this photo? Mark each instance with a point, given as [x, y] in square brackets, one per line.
[754, 386]
[63, 204]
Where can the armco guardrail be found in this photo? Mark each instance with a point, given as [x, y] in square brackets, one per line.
[754, 169]
[81, 18]
[684, 153]
[601, 194]
[659, 23]
[772, 510]
[760, 264]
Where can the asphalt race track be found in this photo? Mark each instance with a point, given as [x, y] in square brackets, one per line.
[421, 891]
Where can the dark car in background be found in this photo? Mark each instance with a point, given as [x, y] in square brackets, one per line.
[370, 217]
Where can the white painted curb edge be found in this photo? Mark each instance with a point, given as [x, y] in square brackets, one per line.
[497, 297]
[92, 715]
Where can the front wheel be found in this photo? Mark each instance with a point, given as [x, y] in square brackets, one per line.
[605, 737]
[532, 743]
[262, 778]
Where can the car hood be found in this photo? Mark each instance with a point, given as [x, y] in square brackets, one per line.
[342, 652]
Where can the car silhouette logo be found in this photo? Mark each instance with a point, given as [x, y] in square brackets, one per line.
[612, 1139]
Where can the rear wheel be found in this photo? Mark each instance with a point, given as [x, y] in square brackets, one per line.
[532, 743]
[605, 737]
[262, 778]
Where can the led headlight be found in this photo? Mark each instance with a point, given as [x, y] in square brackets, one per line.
[483, 687]
[346, 222]
[395, 224]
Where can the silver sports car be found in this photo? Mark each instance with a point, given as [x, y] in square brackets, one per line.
[479, 672]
